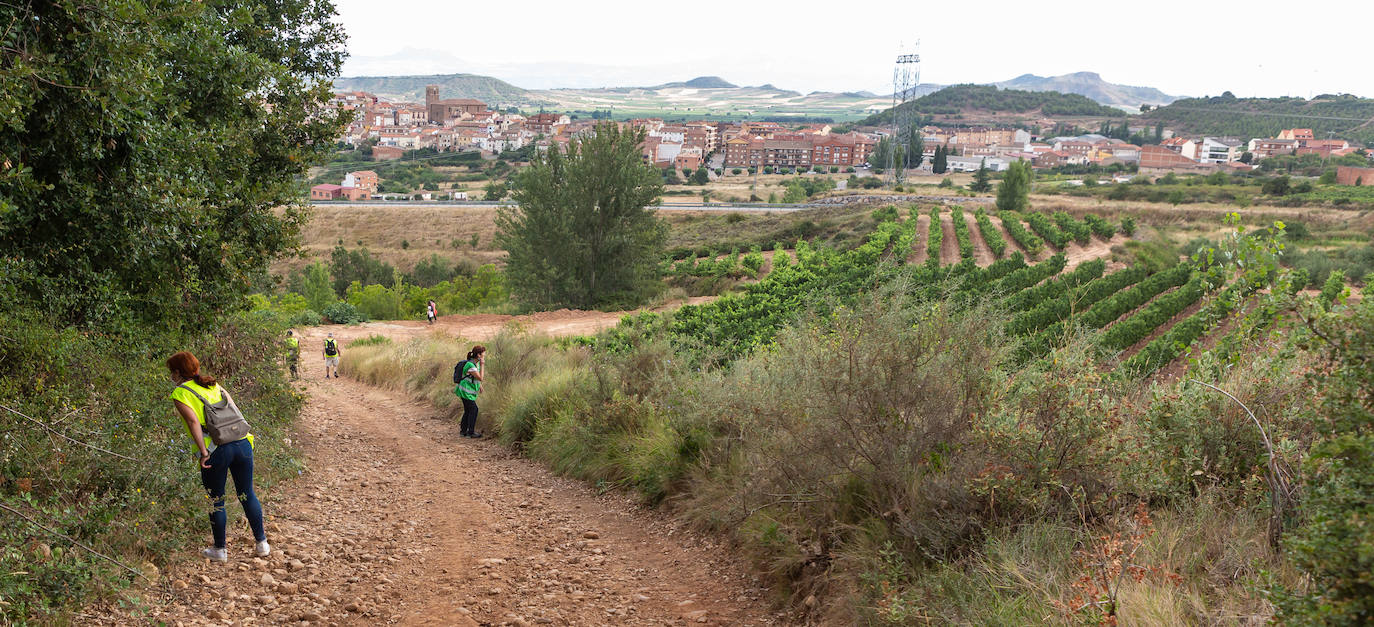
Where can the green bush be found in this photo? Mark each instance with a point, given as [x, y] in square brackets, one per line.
[1334, 546]
[145, 509]
[306, 318]
[343, 313]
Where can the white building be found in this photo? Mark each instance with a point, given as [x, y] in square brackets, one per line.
[971, 164]
[1219, 150]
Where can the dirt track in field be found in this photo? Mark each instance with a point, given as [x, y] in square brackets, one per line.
[398, 520]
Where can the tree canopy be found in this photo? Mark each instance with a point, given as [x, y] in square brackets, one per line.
[584, 233]
[1014, 192]
[148, 148]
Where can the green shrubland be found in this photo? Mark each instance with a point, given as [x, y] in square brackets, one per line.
[152, 162]
[873, 437]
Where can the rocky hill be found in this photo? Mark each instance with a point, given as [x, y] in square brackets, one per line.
[412, 88]
[1091, 85]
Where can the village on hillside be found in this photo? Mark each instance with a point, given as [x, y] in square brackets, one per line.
[391, 129]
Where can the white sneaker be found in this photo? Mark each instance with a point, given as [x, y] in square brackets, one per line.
[262, 549]
[215, 555]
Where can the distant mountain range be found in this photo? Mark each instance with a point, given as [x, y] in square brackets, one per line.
[1090, 84]
[700, 82]
[412, 88]
[715, 97]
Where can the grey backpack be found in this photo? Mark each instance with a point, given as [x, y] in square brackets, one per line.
[224, 422]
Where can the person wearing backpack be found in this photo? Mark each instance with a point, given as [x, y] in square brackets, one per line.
[223, 447]
[468, 377]
[293, 353]
[332, 352]
[432, 311]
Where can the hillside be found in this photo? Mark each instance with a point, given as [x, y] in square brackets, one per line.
[987, 98]
[1091, 85]
[1345, 116]
[700, 82]
[412, 88]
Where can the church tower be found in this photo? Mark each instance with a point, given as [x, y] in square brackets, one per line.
[431, 94]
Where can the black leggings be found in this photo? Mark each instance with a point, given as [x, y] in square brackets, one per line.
[468, 426]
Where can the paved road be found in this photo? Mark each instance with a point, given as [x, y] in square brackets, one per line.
[682, 207]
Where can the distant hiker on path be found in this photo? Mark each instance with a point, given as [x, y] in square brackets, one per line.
[223, 446]
[468, 376]
[432, 311]
[332, 352]
[293, 353]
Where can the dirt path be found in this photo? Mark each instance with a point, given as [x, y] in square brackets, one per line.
[397, 520]
[949, 244]
[1095, 249]
[563, 322]
[982, 255]
[918, 244]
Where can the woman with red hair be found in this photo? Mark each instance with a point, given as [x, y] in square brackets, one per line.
[194, 390]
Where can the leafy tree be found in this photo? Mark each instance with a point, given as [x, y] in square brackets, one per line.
[981, 182]
[348, 266]
[495, 191]
[882, 153]
[939, 163]
[1247, 157]
[1014, 192]
[584, 234]
[700, 177]
[316, 287]
[916, 146]
[147, 152]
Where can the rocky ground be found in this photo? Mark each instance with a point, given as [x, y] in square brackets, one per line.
[399, 521]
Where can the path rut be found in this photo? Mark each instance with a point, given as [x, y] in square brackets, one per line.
[398, 520]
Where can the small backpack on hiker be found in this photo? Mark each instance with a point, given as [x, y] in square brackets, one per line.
[330, 348]
[224, 423]
[458, 374]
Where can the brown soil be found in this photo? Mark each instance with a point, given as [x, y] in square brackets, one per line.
[982, 255]
[918, 244]
[562, 322]
[398, 520]
[1096, 249]
[949, 245]
[1161, 329]
[1175, 369]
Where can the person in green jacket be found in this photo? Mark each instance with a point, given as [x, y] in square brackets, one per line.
[469, 386]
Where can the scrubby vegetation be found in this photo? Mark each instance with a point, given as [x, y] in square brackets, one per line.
[875, 435]
[132, 226]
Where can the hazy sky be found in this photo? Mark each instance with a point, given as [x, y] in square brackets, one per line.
[1183, 47]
